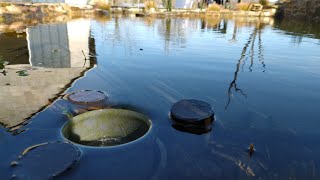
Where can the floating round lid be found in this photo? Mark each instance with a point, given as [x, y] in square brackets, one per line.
[46, 160]
[191, 110]
[87, 96]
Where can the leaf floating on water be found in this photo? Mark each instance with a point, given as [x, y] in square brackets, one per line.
[68, 114]
[56, 50]
[22, 73]
[251, 150]
[249, 171]
[13, 176]
[14, 163]
[32, 147]
[94, 108]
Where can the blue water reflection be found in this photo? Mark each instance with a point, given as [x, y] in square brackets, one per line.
[261, 84]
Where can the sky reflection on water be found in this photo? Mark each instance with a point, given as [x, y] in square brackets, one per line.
[260, 79]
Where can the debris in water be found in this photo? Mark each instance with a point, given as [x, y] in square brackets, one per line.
[85, 57]
[14, 163]
[13, 176]
[251, 149]
[4, 72]
[56, 50]
[32, 147]
[23, 73]
[67, 113]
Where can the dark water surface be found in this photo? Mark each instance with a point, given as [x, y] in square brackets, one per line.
[261, 77]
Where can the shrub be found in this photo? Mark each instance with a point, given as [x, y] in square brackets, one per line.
[3, 4]
[213, 7]
[243, 6]
[264, 2]
[149, 4]
[101, 4]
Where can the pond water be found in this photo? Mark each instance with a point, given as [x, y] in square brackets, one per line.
[260, 76]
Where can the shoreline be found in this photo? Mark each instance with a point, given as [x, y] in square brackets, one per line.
[18, 11]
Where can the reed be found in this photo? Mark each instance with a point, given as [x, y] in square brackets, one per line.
[214, 7]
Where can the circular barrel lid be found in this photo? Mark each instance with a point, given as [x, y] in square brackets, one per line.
[192, 115]
[86, 96]
[46, 160]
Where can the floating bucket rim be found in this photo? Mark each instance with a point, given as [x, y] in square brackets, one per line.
[70, 164]
[148, 132]
[67, 96]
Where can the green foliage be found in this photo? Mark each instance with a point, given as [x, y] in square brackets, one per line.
[169, 5]
[3, 63]
[103, 5]
[4, 4]
[22, 73]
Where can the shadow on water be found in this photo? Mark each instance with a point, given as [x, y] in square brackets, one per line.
[299, 29]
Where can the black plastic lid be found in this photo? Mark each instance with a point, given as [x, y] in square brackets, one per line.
[191, 115]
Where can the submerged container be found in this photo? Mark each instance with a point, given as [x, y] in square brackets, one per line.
[106, 127]
[46, 161]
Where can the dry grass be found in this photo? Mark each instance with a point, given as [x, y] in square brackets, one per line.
[264, 2]
[101, 4]
[3, 4]
[150, 4]
[214, 7]
[244, 6]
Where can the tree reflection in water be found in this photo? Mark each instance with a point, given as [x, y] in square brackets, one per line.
[245, 55]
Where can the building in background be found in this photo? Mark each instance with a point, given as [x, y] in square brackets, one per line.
[55, 61]
[59, 45]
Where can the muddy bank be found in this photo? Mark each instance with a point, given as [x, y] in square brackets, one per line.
[193, 12]
[10, 12]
